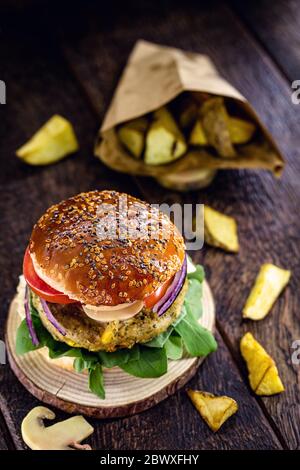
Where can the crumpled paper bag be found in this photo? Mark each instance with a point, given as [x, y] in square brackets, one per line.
[154, 76]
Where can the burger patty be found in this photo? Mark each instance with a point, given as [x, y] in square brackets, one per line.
[83, 332]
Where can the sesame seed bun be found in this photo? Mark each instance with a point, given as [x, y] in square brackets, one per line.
[73, 253]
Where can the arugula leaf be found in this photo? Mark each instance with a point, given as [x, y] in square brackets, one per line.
[174, 347]
[57, 349]
[96, 381]
[78, 364]
[89, 357]
[193, 298]
[116, 358]
[152, 363]
[197, 340]
[198, 274]
[23, 341]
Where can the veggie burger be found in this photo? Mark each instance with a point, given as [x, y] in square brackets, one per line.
[108, 290]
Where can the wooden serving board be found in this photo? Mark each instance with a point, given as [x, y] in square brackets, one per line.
[125, 395]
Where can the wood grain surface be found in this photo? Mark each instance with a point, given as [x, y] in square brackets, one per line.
[277, 29]
[73, 69]
[4, 445]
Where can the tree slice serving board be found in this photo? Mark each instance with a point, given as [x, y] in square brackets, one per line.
[125, 394]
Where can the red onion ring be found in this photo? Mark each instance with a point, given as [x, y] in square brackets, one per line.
[33, 335]
[51, 318]
[172, 292]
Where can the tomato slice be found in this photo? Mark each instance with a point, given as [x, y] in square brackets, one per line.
[40, 287]
[153, 298]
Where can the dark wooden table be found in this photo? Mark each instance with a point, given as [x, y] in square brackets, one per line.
[67, 59]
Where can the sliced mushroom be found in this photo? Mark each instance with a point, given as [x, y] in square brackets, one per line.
[64, 435]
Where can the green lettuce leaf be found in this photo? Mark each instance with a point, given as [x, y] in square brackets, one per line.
[193, 299]
[96, 381]
[79, 364]
[198, 274]
[121, 356]
[23, 340]
[198, 341]
[174, 347]
[152, 363]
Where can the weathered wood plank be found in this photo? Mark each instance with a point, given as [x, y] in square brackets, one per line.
[46, 88]
[265, 208]
[10, 435]
[5, 438]
[38, 86]
[278, 30]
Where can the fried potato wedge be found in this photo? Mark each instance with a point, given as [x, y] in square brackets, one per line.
[215, 410]
[263, 374]
[215, 122]
[198, 136]
[132, 135]
[240, 132]
[269, 283]
[164, 141]
[187, 180]
[53, 141]
[220, 230]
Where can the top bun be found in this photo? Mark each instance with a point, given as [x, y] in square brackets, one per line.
[79, 248]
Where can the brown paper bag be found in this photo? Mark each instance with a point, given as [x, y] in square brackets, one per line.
[154, 76]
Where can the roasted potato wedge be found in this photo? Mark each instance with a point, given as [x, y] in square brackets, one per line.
[215, 122]
[198, 136]
[215, 410]
[187, 180]
[53, 141]
[263, 373]
[164, 141]
[269, 283]
[220, 230]
[132, 135]
[240, 132]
